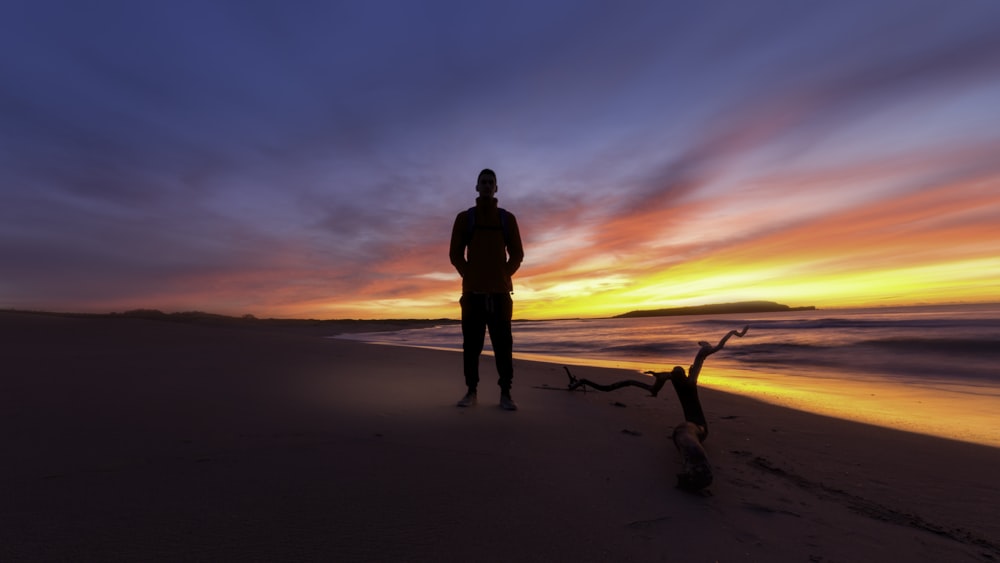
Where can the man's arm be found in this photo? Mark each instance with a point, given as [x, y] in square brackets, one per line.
[456, 252]
[515, 250]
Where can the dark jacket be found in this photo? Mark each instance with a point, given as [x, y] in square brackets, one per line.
[485, 262]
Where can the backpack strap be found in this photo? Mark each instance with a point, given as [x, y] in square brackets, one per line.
[503, 224]
[471, 224]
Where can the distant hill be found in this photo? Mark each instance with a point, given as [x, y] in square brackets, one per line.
[716, 309]
[326, 327]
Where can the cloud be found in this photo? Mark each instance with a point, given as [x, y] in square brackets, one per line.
[255, 158]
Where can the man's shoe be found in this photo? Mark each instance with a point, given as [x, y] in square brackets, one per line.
[469, 400]
[507, 404]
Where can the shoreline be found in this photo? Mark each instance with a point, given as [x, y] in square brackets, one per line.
[951, 404]
[951, 411]
[133, 439]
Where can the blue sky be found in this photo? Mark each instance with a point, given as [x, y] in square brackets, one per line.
[308, 158]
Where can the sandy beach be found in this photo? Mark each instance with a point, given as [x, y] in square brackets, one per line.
[129, 439]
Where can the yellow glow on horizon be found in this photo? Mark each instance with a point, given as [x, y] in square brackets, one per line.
[796, 240]
[818, 283]
[824, 283]
[959, 281]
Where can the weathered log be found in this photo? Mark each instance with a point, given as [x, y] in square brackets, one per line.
[688, 436]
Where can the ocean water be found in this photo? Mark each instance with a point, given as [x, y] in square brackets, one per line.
[929, 369]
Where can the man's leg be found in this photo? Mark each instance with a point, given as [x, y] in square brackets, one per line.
[473, 335]
[502, 339]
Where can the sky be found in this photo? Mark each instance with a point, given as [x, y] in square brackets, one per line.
[304, 159]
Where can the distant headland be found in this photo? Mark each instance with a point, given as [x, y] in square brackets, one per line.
[717, 309]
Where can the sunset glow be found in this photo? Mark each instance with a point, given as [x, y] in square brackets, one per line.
[833, 155]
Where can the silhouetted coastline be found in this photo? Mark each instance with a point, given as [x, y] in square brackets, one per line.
[716, 309]
[327, 327]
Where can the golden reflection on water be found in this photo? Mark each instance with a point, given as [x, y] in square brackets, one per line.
[943, 409]
[937, 408]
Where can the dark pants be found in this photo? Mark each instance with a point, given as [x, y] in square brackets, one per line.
[479, 312]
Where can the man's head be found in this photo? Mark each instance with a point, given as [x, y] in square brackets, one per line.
[486, 185]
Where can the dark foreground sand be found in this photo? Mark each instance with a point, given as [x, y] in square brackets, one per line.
[138, 440]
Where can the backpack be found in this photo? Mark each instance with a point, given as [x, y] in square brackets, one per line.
[471, 227]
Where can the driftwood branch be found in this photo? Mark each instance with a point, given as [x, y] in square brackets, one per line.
[707, 350]
[689, 435]
[660, 381]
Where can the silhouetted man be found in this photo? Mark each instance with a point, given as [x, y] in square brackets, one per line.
[486, 250]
